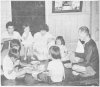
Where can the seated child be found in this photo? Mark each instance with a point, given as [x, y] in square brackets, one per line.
[27, 40]
[55, 70]
[61, 44]
[11, 62]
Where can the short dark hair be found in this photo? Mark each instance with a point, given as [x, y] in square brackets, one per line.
[26, 25]
[55, 52]
[61, 39]
[13, 51]
[9, 24]
[85, 30]
[44, 27]
[15, 42]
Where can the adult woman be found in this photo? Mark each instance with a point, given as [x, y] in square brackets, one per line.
[41, 40]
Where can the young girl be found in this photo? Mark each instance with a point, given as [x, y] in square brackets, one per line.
[27, 40]
[55, 69]
[61, 44]
[11, 62]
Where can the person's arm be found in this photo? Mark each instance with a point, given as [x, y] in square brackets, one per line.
[16, 63]
[14, 66]
[49, 68]
[81, 60]
[25, 65]
[19, 36]
[5, 39]
[80, 55]
[88, 56]
[10, 71]
[75, 59]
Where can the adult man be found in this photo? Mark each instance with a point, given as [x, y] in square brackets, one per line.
[88, 65]
[6, 36]
[10, 33]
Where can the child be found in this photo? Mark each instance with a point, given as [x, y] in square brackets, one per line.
[55, 67]
[27, 40]
[61, 44]
[11, 61]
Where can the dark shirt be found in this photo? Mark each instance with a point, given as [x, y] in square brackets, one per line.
[90, 55]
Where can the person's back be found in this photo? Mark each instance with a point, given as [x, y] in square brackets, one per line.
[55, 67]
[7, 67]
[94, 59]
[57, 70]
[90, 57]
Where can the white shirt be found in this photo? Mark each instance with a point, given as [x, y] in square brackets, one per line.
[80, 47]
[29, 40]
[56, 70]
[41, 42]
[7, 66]
[51, 43]
[63, 50]
[15, 35]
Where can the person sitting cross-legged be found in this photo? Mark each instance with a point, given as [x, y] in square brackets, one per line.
[11, 63]
[88, 61]
[55, 72]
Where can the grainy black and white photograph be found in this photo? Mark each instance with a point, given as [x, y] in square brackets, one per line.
[50, 43]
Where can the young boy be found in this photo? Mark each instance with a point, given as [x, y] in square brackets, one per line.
[11, 61]
[55, 67]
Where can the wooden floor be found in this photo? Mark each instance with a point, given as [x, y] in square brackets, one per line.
[31, 82]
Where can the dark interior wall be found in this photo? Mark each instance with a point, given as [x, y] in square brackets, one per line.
[31, 12]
